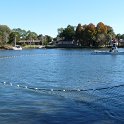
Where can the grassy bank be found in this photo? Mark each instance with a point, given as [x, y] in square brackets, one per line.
[9, 47]
[6, 47]
[30, 46]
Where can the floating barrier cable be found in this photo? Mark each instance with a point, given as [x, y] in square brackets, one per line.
[86, 95]
[60, 54]
[62, 90]
[43, 54]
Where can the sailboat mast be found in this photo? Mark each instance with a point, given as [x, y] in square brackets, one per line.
[15, 40]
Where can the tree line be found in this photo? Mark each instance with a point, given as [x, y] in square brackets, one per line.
[84, 35]
[7, 36]
[89, 35]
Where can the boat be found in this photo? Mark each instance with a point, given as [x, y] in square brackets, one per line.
[16, 47]
[112, 51]
[114, 48]
[41, 46]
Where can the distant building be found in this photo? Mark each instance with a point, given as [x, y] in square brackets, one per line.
[66, 44]
[30, 42]
[121, 43]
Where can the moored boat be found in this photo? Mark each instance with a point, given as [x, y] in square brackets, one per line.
[113, 50]
[17, 47]
[41, 46]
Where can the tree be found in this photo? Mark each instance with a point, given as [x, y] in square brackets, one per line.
[110, 35]
[31, 35]
[0, 38]
[47, 40]
[4, 34]
[122, 36]
[78, 32]
[67, 34]
[118, 36]
[60, 31]
[101, 36]
[12, 37]
[90, 34]
[101, 28]
[21, 32]
[41, 38]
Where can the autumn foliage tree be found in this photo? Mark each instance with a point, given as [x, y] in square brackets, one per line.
[88, 35]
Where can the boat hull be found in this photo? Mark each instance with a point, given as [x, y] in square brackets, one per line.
[107, 53]
[15, 48]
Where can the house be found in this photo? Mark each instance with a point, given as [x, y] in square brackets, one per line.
[66, 44]
[121, 43]
[30, 42]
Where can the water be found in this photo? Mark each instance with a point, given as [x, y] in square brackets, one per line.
[56, 86]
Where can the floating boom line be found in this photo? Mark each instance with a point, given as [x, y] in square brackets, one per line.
[60, 54]
[43, 54]
[82, 95]
[62, 90]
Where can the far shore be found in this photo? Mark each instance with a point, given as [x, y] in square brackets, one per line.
[9, 47]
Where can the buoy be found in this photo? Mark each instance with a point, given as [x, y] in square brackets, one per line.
[36, 88]
[78, 89]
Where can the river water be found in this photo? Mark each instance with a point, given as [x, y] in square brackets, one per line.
[56, 86]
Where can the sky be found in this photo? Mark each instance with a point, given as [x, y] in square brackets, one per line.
[46, 16]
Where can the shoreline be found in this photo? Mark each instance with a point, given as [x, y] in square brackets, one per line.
[9, 47]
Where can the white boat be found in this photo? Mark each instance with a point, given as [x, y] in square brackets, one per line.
[113, 51]
[17, 47]
[41, 46]
[114, 48]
